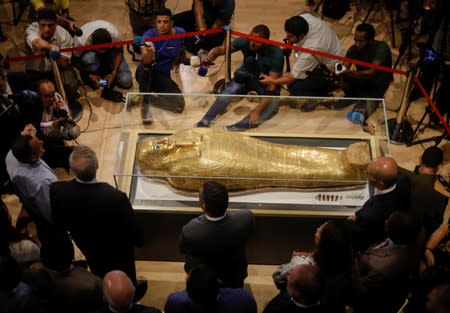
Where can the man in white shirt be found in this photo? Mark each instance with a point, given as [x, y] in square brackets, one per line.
[46, 37]
[105, 63]
[307, 78]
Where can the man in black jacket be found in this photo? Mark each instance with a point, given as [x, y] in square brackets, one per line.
[218, 238]
[100, 218]
[388, 193]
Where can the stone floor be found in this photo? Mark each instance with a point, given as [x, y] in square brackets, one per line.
[102, 120]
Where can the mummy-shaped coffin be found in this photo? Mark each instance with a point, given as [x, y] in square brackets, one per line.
[188, 158]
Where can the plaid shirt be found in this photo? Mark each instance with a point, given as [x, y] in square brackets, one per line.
[145, 7]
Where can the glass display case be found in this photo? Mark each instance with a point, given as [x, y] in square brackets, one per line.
[295, 163]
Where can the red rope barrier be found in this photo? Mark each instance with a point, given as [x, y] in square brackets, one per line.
[255, 38]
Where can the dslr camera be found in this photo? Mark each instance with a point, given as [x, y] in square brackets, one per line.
[60, 113]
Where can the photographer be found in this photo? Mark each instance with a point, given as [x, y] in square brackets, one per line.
[153, 73]
[105, 63]
[56, 119]
[361, 81]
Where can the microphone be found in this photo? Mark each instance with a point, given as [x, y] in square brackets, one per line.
[54, 54]
[203, 69]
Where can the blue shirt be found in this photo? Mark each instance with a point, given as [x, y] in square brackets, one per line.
[166, 51]
[32, 181]
[230, 300]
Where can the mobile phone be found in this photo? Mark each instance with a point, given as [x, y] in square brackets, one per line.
[443, 181]
[103, 83]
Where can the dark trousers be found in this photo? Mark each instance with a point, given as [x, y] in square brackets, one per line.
[154, 81]
[186, 20]
[316, 84]
[365, 88]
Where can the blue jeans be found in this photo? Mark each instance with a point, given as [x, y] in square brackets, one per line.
[101, 64]
[233, 88]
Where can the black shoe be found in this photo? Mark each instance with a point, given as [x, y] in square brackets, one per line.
[112, 95]
[141, 289]
[203, 123]
[309, 107]
[343, 103]
[234, 128]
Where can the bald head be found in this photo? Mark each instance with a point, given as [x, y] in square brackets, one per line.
[118, 291]
[305, 284]
[382, 172]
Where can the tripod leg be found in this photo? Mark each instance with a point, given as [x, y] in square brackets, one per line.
[392, 26]
[369, 11]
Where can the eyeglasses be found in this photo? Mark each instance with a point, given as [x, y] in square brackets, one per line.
[48, 95]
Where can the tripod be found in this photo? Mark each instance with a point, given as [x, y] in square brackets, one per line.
[437, 139]
[438, 90]
[391, 12]
[428, 111]
[405, 46]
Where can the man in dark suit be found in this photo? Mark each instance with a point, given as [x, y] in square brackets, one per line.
[204, 294]
[217, 238]
[304, 290]
[383, 272]
[100, 218]
[119, 295]
[425, 201]
[388, 193]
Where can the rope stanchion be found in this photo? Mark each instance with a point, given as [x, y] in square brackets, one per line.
[58, 80]
[228, 54]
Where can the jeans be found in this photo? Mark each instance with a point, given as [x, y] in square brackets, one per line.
[233, 88]
[101, 64]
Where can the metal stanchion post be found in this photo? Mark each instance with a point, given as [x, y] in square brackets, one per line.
[220, 84]
[399, 128]
[227, 54]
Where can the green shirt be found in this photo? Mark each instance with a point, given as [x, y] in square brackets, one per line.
[270, 58]
[378, 51]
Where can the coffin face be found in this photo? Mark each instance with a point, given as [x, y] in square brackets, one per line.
[188, 158]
